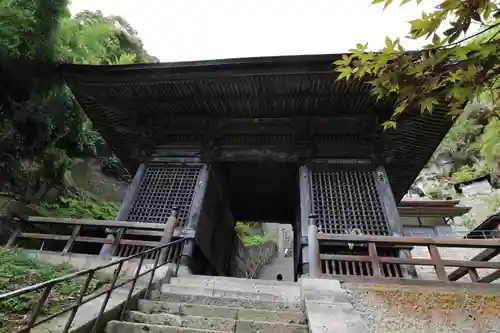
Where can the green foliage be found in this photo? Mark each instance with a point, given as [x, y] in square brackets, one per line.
[454, 69]
[41, 123]
[494, 203]
[19, 270]
[250, 236]
[468, 222]
[435, 193]
[448, 73]
[462, 136]
[468, 172]
[74, 208]
[489, 144]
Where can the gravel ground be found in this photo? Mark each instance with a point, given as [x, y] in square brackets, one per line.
[412, 310]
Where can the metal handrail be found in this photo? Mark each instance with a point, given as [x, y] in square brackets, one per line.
[47, 286]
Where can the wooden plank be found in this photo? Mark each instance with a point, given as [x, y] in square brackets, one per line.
[438, 263]
[485, 255]
[432, 211]
[412, 261]
[71, 240]
[375, 260]
[44, 236]
[413, 241]
[40, 227]
[490, 277]
[139, 243]
[427, 203]
[99, 223]
[446, 263]
[87, 239]
[138, 232]
[345, 257]
[13, 236]
[379, 245]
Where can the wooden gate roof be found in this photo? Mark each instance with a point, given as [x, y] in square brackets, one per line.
[130, 102]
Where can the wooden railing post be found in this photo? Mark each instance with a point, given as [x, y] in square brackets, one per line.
[375, 260]
[167, 234]
[313, 245]
[71, 241]
[438, 263]
[13, 237]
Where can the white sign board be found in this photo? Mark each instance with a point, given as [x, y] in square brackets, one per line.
[479, 187]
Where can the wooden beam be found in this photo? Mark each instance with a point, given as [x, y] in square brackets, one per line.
[412, 261]
[490, 277]
[486, 255]
[413, 241]
[87, 239]
[98, 223]
[138, 232]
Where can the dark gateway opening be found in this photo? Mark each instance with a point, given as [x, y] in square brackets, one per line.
[262, 191]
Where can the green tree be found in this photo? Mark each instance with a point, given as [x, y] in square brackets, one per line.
[41, 125]
[451, 70]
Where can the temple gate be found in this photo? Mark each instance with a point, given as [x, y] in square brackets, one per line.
[261, 139]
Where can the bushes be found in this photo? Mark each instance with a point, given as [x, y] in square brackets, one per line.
[250, 236]
[78, 208]
[468, 172]
[19, 270]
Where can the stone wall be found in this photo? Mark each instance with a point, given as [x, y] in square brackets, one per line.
[248, 260]
[86, 261]
[418, 309]
[282, 234]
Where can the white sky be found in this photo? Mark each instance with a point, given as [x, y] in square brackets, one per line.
[183, 30]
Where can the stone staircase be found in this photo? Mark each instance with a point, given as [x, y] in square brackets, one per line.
[198, 304]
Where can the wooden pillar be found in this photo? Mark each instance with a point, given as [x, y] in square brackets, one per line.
[392, 213]
[314, 260]
[303, 225]
[108, 250]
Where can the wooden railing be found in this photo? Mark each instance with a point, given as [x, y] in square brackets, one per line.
[40, 228]
[373, 263]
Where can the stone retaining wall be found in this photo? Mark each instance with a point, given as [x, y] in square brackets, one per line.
[86, 261]
[248, 260]
[419, 309]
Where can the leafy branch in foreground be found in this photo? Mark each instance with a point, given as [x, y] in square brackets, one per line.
[448, 73]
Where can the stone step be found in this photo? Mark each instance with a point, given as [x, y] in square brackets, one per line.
[197, 279]
[214, 324]
[289, 317]
[205, 323]
[126, 327]
[283, 289]
[181, 297]
[243, 292]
